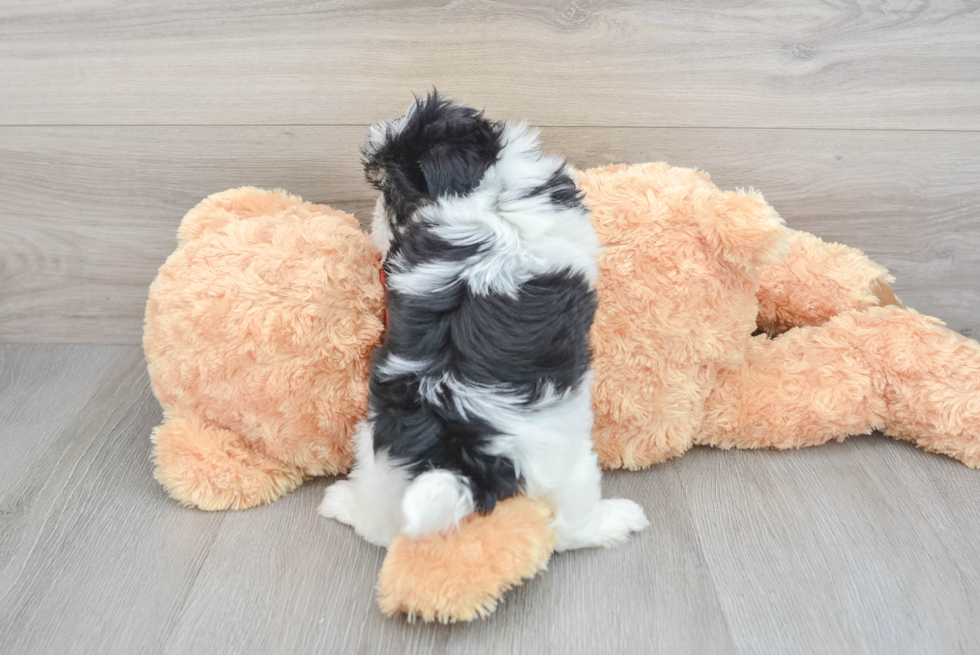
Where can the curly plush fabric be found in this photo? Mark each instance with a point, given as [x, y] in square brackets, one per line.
[258, 335]
[884, 368]
[677, 282]
[462, 575]
[815, 282]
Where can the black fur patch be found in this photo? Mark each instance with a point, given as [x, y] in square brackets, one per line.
[538, 339]
[424, 245]
[562, 190]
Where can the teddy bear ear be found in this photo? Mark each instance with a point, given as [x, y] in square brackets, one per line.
[452, 169]
[744, 228]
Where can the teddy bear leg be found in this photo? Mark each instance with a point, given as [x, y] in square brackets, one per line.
[211, 468]
[817, 280]
[930, 379]
[885, 368]
[803, 388]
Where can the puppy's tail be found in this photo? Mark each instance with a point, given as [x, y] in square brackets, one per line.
[436, 501]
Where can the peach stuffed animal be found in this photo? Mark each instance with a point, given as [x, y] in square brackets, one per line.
[258, 337]
[688, 274]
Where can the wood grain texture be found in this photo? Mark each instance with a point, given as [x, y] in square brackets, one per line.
[42, 391]
[91, 213]
[827, 551]
[652, 594]
[864, 64]
[96, 559]
[292, 582]
[288, 581]
[868, 546]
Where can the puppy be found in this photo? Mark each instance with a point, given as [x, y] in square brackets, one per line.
[482, 389]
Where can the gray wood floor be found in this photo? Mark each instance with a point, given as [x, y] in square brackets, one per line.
[868, 546]
[860, 121]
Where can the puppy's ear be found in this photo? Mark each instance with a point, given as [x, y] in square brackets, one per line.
[457, 146]
[437, 149]
[451, 169]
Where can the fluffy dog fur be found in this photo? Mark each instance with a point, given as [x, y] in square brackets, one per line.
[482, 389]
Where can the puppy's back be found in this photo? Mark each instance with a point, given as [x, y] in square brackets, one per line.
[490, 267]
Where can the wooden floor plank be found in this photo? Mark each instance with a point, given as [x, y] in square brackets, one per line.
[943, 494]
[281, 579]
[290, 581]
[643, 596]
[96, 558]
[859, 121]
[866, 546]
[810, 555]
[42, 390]
[862, 64]
[91, 213]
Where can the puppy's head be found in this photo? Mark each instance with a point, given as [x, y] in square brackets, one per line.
[437, 149]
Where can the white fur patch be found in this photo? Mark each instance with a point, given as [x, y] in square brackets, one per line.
[485, 402]
[550, 444]
[380, 229]
[396, 365]
[423, 279]
[369, 499]
[436, 501]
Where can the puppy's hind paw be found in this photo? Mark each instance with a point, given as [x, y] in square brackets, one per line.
[338, 502]
[620, 517]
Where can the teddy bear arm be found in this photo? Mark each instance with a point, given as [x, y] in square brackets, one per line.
[817, 280]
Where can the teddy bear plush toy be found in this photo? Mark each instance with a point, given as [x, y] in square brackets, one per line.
[717, 325]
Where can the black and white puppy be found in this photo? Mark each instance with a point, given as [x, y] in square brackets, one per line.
[482, 389]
